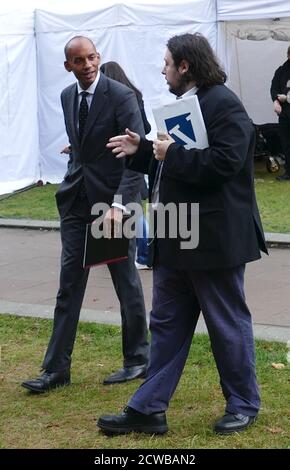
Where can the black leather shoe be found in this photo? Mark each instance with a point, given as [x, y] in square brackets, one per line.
[125, 374]
[284, 177]
[230, 423]
[131, 420]
[47, 381]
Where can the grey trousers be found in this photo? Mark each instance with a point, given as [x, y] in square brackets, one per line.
[73, 281]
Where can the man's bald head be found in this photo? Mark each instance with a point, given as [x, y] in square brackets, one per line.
[75, 42]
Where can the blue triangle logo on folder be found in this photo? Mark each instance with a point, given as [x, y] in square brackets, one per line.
[180, 128]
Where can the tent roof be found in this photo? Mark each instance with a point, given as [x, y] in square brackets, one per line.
[16, 23]
[124, 14]
[17, 16]
[227, 10]
[75, 6]
[230, 10]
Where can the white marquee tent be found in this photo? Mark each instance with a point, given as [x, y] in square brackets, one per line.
[133, 35]
[253, 39]
[246, 35]
[19, 159]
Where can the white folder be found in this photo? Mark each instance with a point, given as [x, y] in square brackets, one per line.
[183, 121]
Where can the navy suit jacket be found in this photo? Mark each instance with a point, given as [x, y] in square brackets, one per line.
[114, 107]
[220, 179]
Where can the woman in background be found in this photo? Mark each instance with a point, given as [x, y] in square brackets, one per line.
[114, 70]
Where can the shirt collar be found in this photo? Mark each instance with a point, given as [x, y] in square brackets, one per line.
[190, 92]
[92, 87]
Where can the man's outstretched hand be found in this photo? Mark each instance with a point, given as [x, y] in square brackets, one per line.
[123, 145]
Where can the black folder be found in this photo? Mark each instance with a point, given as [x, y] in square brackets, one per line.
[104, 250]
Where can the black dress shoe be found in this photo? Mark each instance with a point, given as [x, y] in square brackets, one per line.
[131, 420]
[284, 177]
[230, 423]
[47, 381]
[125, 374]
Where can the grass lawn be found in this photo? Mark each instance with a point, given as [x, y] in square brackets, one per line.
[36, 203]
[66, 418]
[273, 200]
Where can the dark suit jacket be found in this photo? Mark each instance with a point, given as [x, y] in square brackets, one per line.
[219, 178]
[279, 85]
[114, 107]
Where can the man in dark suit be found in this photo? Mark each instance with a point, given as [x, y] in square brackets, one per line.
[95, 109]
[210, 277]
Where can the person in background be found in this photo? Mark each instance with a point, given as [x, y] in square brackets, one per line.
[142, 232]
[113, 70]
[95, 108]
[210, 276]
[280, 94]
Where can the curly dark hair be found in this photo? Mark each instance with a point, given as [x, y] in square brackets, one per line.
[204, 68]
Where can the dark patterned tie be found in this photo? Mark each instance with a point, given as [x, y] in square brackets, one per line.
[83, 113]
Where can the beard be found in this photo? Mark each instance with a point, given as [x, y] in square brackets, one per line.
[180, 87]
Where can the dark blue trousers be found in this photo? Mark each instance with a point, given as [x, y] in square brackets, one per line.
[178, 298]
